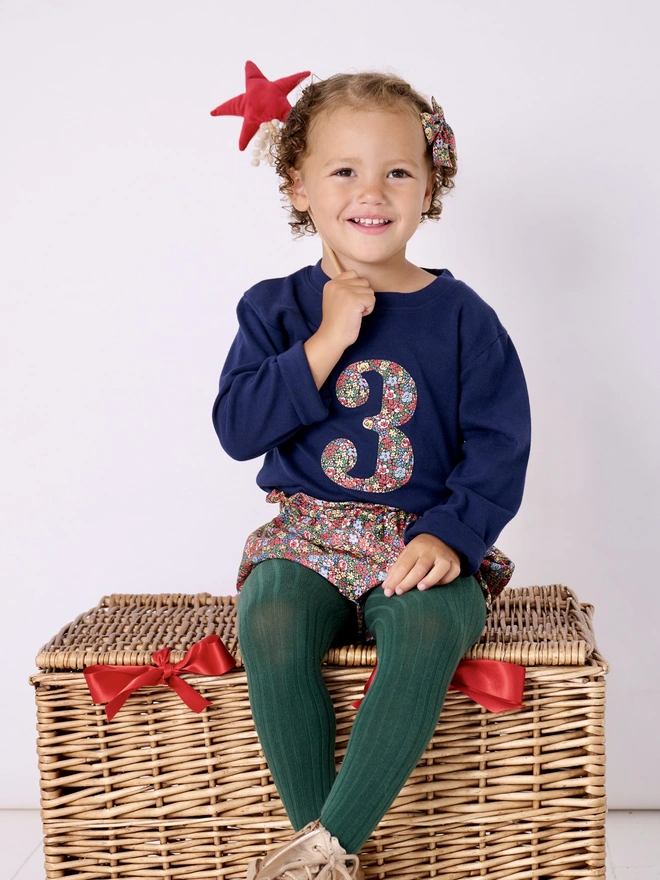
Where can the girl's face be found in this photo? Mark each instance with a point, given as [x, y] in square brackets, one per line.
[365, 164]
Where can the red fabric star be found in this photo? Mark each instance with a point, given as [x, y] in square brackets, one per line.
[261, 101]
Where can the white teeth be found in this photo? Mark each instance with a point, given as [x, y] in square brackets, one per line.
[369, 222]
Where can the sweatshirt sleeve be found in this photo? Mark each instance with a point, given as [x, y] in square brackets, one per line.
[487, 484]
[267, 391]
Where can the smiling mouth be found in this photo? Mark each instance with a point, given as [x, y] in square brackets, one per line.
[373, 229]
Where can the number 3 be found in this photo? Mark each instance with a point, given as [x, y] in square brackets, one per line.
[395, 457]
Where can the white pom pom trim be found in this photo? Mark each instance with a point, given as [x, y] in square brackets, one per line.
[262, 142]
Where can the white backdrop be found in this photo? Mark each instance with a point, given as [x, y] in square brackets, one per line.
[132, 224]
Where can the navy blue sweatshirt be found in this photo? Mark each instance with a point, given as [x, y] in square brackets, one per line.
[427, 411]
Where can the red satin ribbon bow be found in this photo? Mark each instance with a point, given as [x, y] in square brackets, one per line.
[494, 684]
[114, 684]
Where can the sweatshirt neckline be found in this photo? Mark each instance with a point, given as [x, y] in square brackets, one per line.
[389, 298]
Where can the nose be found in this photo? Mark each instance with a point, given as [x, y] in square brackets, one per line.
[371, 192]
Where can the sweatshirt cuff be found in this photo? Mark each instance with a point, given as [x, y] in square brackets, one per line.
[310, 405]
[465, 542]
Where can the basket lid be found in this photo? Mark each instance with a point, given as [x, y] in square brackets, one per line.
[532, 626]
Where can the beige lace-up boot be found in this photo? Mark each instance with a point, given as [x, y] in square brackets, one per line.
[311, 854]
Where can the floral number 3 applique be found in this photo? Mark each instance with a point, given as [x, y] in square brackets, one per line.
[395, 457]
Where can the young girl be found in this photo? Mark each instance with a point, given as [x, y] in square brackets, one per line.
[393, 412]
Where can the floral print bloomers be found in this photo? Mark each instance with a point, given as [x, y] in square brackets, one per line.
[350, 543]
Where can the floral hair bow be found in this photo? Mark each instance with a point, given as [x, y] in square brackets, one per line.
[439, 133]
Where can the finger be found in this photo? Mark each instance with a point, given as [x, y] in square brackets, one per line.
[452, 574]
[398, 568]
[416, 573]
[397, 571]
[439, 574]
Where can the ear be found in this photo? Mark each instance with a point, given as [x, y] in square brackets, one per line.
[297, 193]
[426, 204]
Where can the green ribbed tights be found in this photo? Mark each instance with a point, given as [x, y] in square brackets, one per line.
[288, 616]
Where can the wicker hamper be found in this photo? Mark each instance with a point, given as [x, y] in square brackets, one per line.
[162, 792]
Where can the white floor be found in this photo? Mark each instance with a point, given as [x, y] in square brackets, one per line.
[633, 845]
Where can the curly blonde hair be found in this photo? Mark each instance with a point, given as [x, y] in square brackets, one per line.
[370, 89]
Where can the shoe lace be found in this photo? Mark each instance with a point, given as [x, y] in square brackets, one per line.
[336, 868]
[311, 867]
[325, 866]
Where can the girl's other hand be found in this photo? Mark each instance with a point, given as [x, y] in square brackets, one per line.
[347, 298]
[424, 562]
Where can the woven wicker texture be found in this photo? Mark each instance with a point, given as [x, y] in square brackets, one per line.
[531, 626]
[161, 792]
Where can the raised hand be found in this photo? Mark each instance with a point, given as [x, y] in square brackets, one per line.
[347, 298]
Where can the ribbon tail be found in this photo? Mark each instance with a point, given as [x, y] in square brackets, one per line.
[494, 684]
[192, 698]
[356, 704]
